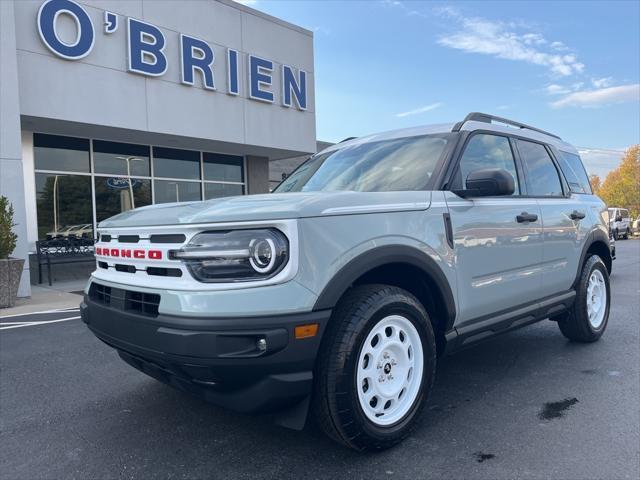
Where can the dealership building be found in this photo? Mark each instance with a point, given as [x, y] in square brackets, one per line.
[110, 105]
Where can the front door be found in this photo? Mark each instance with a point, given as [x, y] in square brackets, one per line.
[497, 240]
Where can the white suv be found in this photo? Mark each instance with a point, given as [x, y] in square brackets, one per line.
[620, 222]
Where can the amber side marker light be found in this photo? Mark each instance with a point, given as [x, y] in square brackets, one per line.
[306, 331]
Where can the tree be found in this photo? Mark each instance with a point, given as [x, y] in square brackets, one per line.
[595, 182]
[8, 239]
[621, 188]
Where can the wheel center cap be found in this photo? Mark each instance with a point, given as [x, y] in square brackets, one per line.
[387, 368]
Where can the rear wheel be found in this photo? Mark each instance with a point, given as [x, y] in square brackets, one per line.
[376, 368]
[587, 319]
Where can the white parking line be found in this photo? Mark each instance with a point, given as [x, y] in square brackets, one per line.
[59, 310]
[32, 324]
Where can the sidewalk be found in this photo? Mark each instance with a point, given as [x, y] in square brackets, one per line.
[43, 298]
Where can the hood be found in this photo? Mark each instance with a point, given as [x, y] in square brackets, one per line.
[272, 206]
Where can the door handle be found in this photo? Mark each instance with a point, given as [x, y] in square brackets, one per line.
[576, 215]
[526, 217]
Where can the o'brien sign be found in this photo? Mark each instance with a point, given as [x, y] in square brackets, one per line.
[145, 49]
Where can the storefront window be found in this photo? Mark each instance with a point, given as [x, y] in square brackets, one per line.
[174, 163]
[224, 168]
[67, 154]
[119, 194]
[176, 191]
[216, 190]
[64, 205]
[121, 159]
[120, 176]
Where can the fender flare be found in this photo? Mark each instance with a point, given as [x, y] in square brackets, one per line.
[379, 257]
[594, 237]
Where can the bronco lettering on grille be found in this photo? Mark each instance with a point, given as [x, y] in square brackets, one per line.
[129, 253]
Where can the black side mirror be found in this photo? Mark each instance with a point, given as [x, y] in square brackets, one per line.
[488, 182]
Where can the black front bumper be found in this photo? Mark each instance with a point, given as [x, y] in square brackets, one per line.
[217, 359]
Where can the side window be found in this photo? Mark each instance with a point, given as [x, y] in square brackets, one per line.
[542, 178]
[574, 172]
[485, 151]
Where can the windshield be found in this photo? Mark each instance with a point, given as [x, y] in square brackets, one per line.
[395, 165]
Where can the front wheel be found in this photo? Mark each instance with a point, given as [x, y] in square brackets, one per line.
[376, 368]
[587, 319]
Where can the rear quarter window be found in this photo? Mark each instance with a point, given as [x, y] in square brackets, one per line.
[573, 170]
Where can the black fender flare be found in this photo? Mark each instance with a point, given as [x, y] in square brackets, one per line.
[596, 236]
[379, 257]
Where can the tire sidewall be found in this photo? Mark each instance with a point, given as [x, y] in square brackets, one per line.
[594, 263]
[413, 312]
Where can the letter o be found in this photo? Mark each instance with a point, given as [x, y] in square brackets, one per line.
[47, 20]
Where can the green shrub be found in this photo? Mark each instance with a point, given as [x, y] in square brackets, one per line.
[8, 239]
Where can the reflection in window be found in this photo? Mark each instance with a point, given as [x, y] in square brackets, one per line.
[174, 163]
[121, 159]
[217, 190]
[543, 177]
[176, 191]
[485, 151]
[68, 154]
[64, 205]
[397, 164]
[118, 194]
[223, 168]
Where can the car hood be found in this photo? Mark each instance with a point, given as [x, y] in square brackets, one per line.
[273, 206]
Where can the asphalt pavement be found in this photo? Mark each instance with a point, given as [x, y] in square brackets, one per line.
[528, 404]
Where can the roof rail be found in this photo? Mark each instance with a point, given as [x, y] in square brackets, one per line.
[487, 118]
[347, 139]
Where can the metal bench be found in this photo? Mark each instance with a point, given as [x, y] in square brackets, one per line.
[63, 250]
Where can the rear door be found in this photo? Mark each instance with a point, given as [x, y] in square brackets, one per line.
[498, 251]
[565, 216]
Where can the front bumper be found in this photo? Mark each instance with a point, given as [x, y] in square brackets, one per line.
[216, 358]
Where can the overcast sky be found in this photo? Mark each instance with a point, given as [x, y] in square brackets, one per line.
[569, 67]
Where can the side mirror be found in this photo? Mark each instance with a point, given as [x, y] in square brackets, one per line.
[488, 182]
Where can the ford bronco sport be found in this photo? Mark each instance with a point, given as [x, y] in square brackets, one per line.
[338, 291]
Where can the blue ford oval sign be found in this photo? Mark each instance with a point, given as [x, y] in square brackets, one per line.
[146, 55]
[121, 183]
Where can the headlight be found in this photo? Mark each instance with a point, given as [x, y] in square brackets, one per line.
[235, 256]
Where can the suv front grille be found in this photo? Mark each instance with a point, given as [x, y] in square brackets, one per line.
[140, 303]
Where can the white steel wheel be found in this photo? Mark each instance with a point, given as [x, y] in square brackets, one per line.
[389, 371]
[596, 299]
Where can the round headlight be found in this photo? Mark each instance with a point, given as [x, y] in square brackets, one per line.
[263, 254]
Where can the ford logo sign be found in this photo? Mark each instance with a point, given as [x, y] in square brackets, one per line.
[120, 183]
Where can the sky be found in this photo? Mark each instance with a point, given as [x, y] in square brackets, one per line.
[572, 68]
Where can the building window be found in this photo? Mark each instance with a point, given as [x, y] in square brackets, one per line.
[66, 154]
[217, 190]
[117, 194]
[64, 205]
[176, 191]
[174, 163]
[222, 168]
[121, 159]
[80, 182]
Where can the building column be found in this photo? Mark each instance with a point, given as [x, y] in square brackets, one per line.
[11, 171]
[257, 174]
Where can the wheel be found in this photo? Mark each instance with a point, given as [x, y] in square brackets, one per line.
[588, 317]
[375, 369]
[615, 234]
[626, 234]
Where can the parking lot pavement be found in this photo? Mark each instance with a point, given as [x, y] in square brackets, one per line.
[528, 404]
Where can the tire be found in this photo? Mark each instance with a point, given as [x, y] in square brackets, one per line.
[626, 234]
[341, 391]
[575, 324]
[616, 235]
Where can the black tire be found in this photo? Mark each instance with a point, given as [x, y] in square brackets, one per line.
[616, 235]
[626, 234]
[575, 324]
[335, 403]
